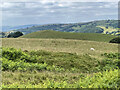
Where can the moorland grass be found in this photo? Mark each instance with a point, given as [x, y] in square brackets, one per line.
[68, 35]
[13, 59]
[49, 63]
[106, 79]
[79, 47]
[43, 69]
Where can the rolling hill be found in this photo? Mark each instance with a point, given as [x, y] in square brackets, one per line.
[51, 62]
[102, 26]
[55, 59]
[69, 35]
[9, 28]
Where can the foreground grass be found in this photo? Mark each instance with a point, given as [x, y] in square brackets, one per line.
[54, 63]
[42, 69]
[106, 79]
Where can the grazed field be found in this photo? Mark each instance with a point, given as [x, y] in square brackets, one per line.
[54, 69]
[42, 69]
[50, 34]
[61, 45]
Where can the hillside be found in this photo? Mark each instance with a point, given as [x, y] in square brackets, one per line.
[68, 35]
[86, 27]
[9, 28]
[58, 63]
[61, 45]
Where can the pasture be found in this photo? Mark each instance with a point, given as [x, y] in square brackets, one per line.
[61, 45]
[58, 63]
[50, 34]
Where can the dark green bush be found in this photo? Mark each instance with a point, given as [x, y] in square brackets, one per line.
[115, 40]
[112, 55]
[15, 34]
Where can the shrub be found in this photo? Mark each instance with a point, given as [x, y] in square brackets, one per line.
[15, 34]
[106, 79]
[115, 40]
[14, 59]
[17, 60]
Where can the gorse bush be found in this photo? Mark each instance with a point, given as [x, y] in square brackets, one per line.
[13, 54]
[112, 60]
[54, 61]
[21, 66]
[94, 73]
[112, 55]
[14, 59]
[106, 79]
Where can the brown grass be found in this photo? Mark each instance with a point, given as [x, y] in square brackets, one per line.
[61, 45]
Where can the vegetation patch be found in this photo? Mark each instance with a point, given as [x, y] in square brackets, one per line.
[106, 79]
[43, 69]
[86, 27]
[15, 34]
[67, 35]
[115, 40]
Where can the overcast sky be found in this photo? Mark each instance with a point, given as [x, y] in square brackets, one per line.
[21, 13]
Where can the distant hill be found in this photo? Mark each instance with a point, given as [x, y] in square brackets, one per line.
[69, 35]
[9, 28]
[102, 26]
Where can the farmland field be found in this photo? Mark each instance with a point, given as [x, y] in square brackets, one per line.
[59, 63]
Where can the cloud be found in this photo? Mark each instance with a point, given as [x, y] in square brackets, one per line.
[45, 1]
[109, 5]
[55, 12]
[52, 11]
[105, 14]
[64, 4]
[11, 5]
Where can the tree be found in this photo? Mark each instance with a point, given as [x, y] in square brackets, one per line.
[15, 34]
[115, 40]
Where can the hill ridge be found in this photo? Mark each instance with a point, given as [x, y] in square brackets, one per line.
[85, 27]
[51, 34]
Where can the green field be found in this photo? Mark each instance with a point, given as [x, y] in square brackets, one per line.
[59, 63]
[61, 45]
[67, 35]
[52, 59]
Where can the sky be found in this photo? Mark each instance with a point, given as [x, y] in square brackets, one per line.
[23, 13]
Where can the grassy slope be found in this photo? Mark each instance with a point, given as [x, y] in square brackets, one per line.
[61, 45]
[69, 70]
[36, 79]
[67, 35]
